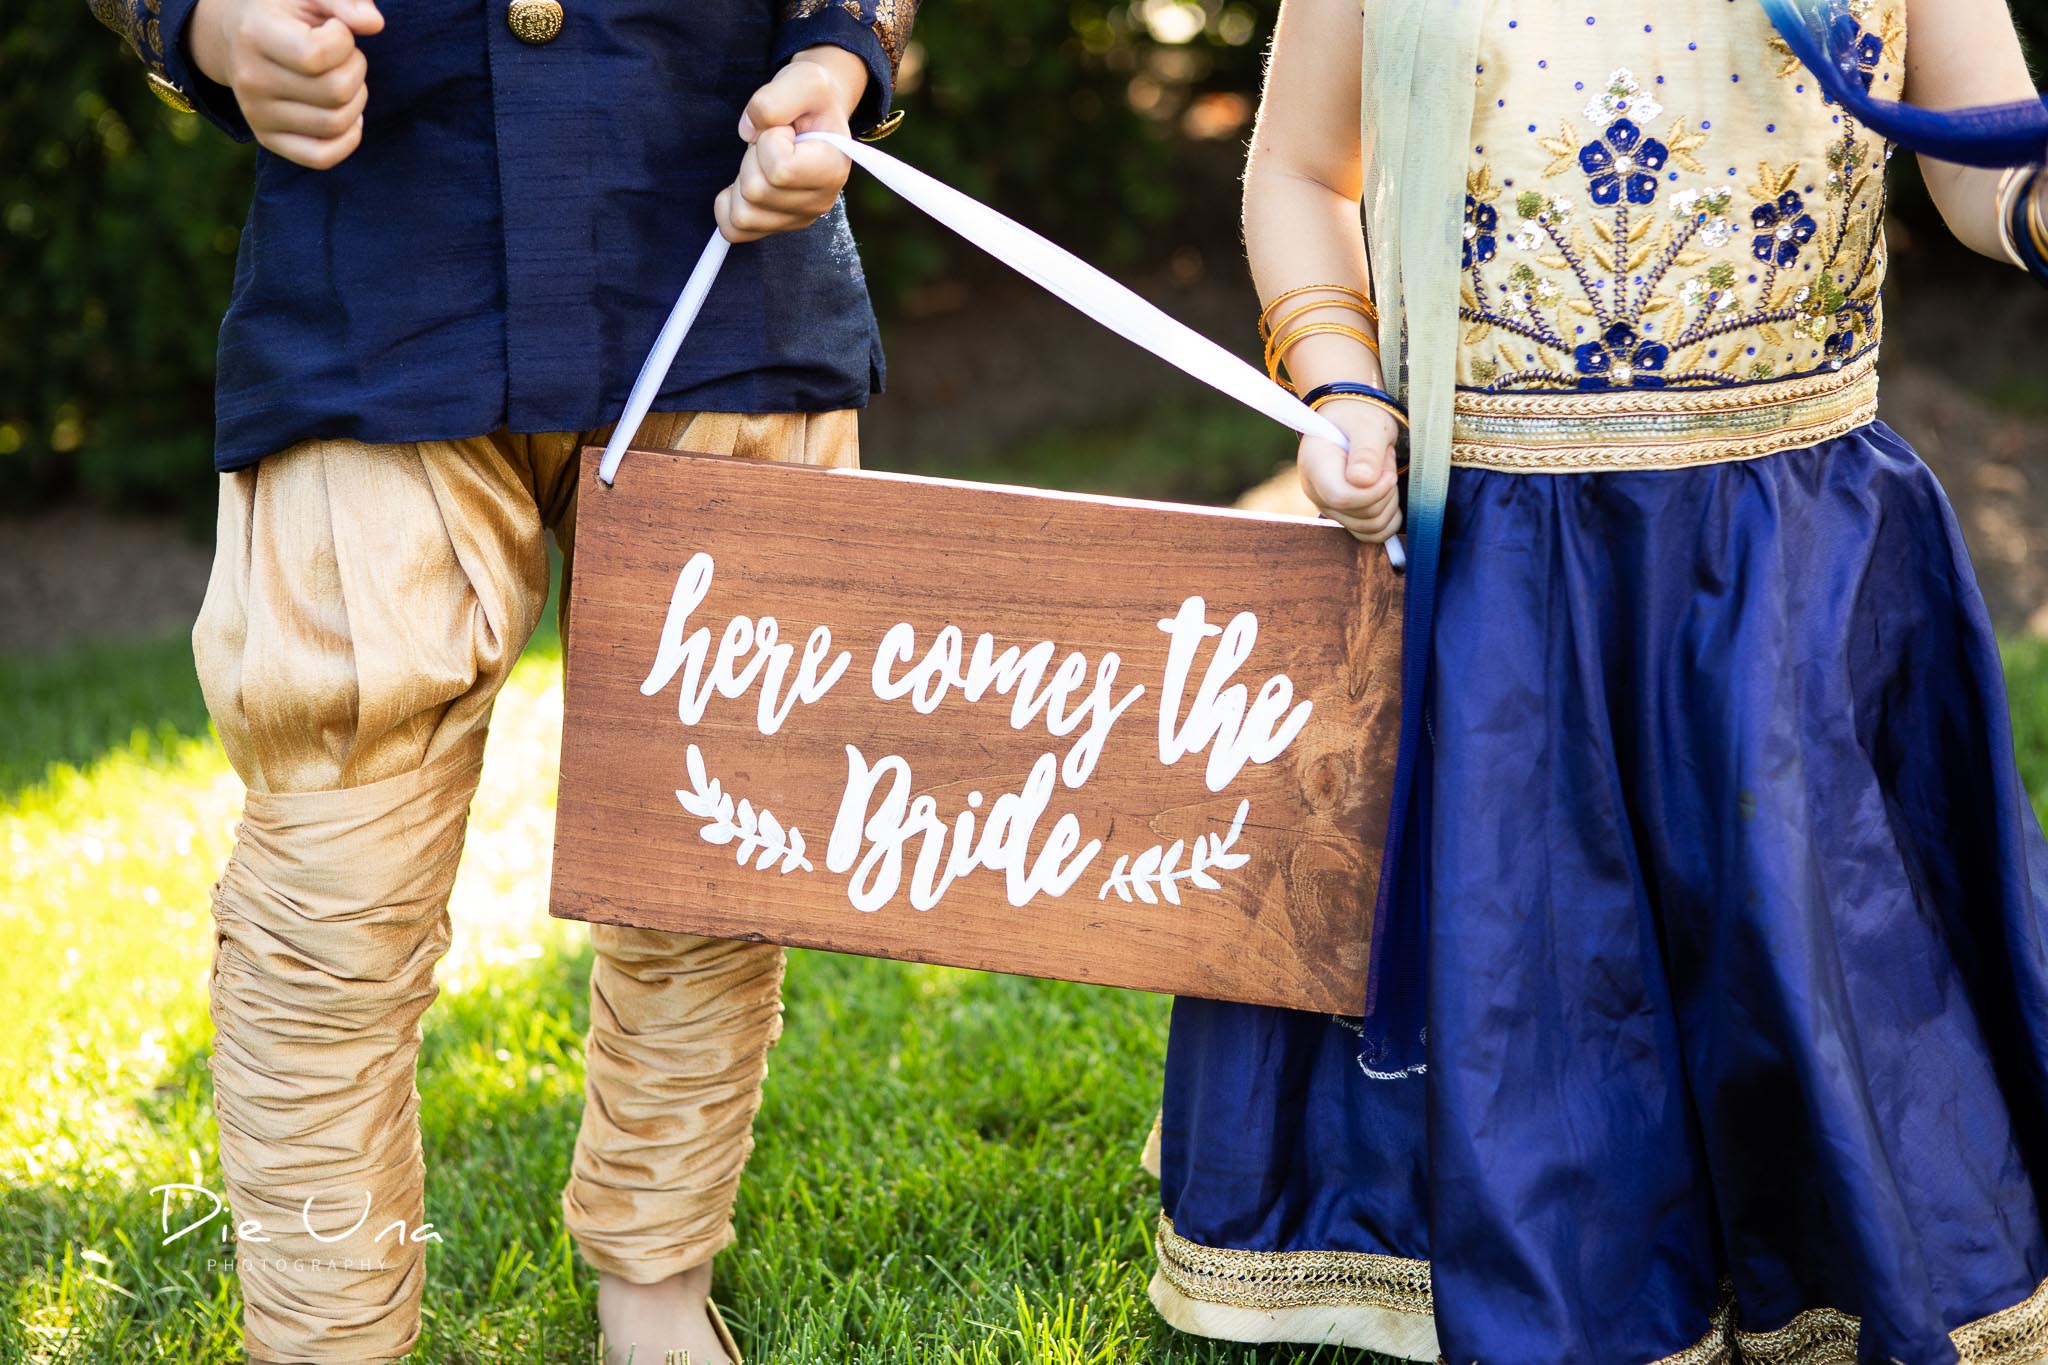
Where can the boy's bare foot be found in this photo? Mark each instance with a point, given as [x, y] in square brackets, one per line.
[654, 1324]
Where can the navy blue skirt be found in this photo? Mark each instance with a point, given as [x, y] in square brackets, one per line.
[1737, 992]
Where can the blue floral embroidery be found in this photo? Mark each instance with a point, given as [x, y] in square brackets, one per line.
[1632, 294]
[1621, 356]
[1623, 159]
[1482, 221]
[1869, 47]
[1783, 227]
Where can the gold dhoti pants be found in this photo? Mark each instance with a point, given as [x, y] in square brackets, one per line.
[365, 607]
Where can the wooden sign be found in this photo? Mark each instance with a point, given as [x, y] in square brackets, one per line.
[1088, 738]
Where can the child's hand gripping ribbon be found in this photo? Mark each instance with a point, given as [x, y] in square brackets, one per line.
[1050, 266]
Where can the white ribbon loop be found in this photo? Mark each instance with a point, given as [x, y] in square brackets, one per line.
[655, 368]
[1045, 263]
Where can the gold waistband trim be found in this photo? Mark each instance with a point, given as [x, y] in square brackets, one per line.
[1292, 1279]
[1621, 429]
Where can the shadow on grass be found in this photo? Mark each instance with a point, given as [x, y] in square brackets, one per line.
[946, 1172]
[73, 707]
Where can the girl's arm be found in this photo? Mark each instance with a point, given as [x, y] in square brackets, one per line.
[1301, 228]
[1960, 53]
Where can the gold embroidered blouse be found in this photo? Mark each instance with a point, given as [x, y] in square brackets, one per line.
[1673, 244]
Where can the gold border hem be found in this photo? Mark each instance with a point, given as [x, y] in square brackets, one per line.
[1631, 429]
[1269, 1280]
[1385, 1303]
[2017, 1335]
[2012, 1336]
[1405, 1336]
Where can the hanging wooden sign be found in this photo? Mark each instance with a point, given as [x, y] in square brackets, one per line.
[1087, 738]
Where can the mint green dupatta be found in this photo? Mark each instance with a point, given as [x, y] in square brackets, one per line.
[1419, 70]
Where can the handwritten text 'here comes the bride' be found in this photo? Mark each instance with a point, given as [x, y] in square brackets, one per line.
[878, 819]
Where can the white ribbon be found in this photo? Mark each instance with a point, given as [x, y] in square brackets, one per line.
[1050, 266]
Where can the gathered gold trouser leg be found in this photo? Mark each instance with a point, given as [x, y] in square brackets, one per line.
[365, 608]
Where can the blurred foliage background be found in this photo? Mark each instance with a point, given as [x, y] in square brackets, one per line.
[1099, 123]
[121, 217]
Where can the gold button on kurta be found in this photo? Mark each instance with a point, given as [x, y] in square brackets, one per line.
[534, 21]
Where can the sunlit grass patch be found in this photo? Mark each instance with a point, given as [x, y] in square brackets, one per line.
[946, 1168]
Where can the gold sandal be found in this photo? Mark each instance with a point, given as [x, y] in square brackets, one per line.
[722, 1332]
[718, 1329]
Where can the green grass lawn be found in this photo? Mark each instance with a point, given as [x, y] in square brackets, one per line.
[947, 1161]
[947, 1168]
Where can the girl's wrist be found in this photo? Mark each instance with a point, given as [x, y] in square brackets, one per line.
[1352, 392]
[1317, 360]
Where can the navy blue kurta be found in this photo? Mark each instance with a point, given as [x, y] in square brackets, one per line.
[503, 247]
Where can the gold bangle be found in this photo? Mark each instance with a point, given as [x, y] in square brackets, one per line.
[1277, 352]
[1380, 403]
[1366, 306]
[1364, 303]
[1283, 345]
[1345, 304]
[2006, 201]
[1280, 329]
[1299, 290]
[2037, 212]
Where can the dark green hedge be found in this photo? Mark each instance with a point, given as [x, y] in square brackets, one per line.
[118, 219]
[118, 223]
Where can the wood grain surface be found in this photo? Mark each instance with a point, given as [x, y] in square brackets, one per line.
[860, 553]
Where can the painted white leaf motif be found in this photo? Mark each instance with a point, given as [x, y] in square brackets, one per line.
[793, 856]
[756, 835]
[772, 845]
[744, 820]
[1167, 864]
[1157, 871]
[1145, 871]
[1220, 854]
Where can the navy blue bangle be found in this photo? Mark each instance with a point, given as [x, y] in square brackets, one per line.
[1350, 389]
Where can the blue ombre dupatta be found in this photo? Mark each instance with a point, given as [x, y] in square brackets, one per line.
[1825, 36]
[1416, 123]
